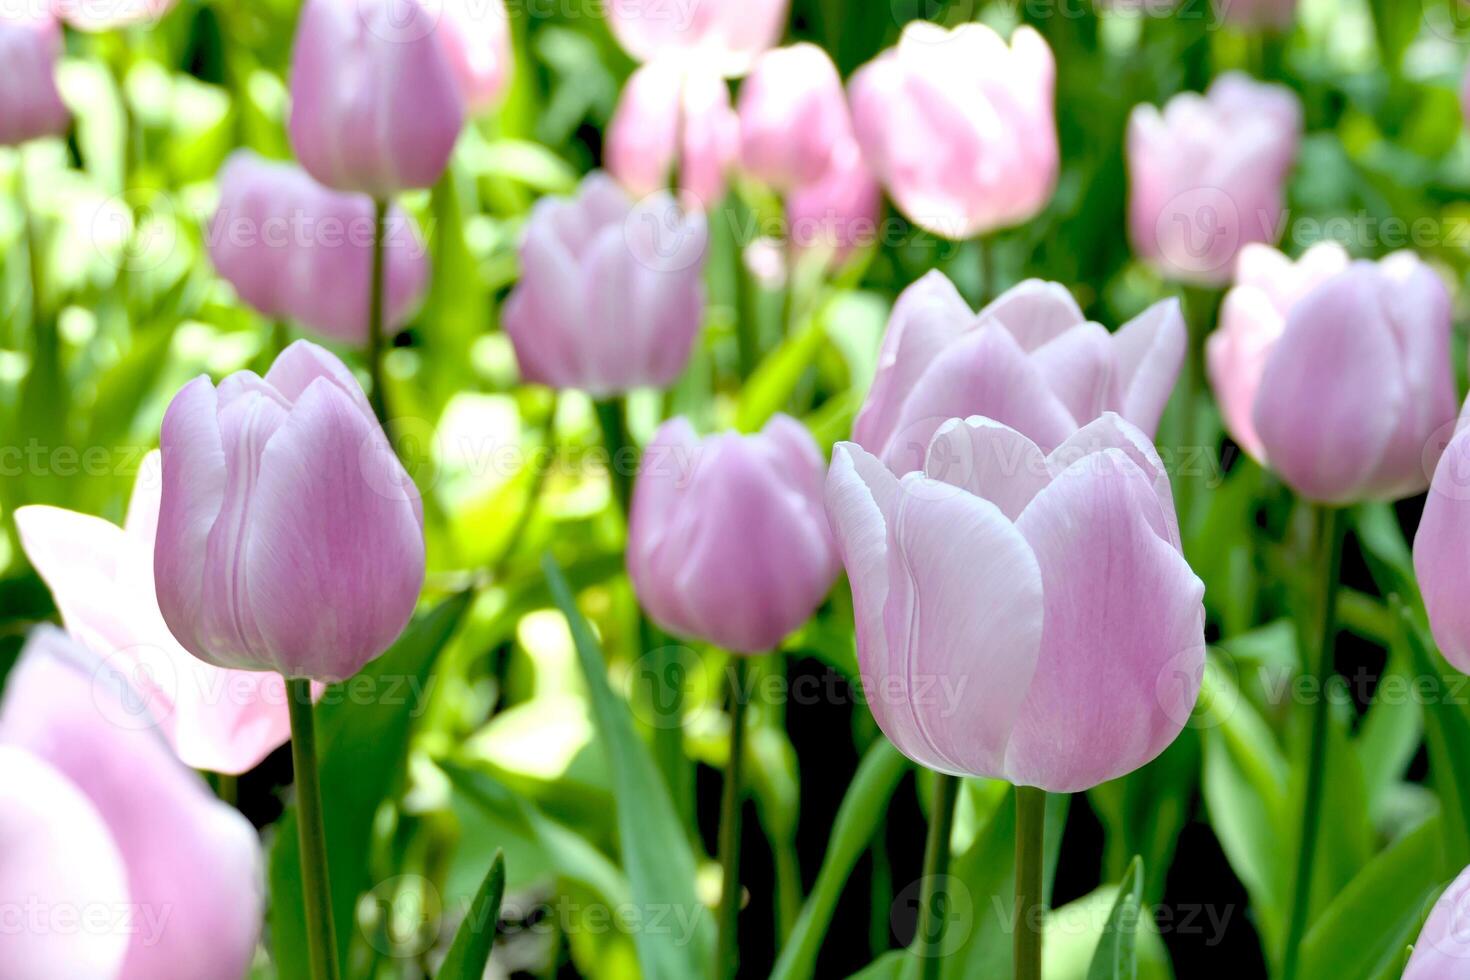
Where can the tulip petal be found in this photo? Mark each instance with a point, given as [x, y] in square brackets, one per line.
[1123, 647]
[296, 367]
[1440, 548]
[1035, 311]
[964, 625]
[1112, 431]
[1235, 357]
[1150, 350]
[1078, 366]
[1443, 948]
[671, 461]
[990, 460]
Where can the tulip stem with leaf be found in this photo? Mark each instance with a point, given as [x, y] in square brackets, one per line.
[315, 880]
[375, 315]
[1317, 658]
[727, 955]
[929, 936]
[1030, 834]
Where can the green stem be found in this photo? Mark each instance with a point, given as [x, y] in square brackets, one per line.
[929, 938]
[379, 396]
[227, 788]
[1030, 831]
[746, 339]
[533, 493]
[622, 455]
[1328, 548]
[727, 956]
[788, 888]
[315, 881]
[1199, 306]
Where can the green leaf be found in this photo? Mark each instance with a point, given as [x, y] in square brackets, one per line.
[362, 731]
[1117, 952]
[656, 854]
[470, 950]
[776, 377]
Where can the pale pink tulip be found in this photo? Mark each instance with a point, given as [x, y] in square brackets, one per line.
[104, 15]
[723, 36]
[1442, 951]
[1029, 360]
[30, 105]
[1022, 615]
[475, 35]
[793, 116]
[960, 127]
[839, 211]
[728, 541]
[1441, 543]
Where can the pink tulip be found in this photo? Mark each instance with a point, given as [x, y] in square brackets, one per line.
[1257, 13]
[475, 35]
[289, 536]
[1442, 951]
[1336, 375]
[960, 127]
[793, 116]
[375, 104]
[723, 36]
[728, 542]
[1022, 615]
[104, 15]
[838, 212]
[102, 579]
[1207, 175]
[670, 117]
[611, 294]
[1441, 543]
[1029, 360]
[30, 105]
[105, 821]
[294, 249]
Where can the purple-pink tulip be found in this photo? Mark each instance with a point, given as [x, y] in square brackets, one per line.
[793, 116]
[98, 819]
[475, 35]
[30, 105]
[101, 576]
[294, 249]
[723, 36]
[104, 15]
[1257, 13]
[960, 127]
[289, 536]
[840, 210]
[728, 542]
[1442, 951]
[375, 106]
[1443, 542]
[611, 294]
[1029, 360]
[1022, 615]
[671, 117]
[1207, 175]
[1334, 374]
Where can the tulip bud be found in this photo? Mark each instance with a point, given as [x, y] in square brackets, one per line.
[1336, 375]
[294, 249]
[1029, 360]
[30, 105]
[793, 116]
[1207, 175]
[1275, 14]
[104, 15]
[289, 536]
[375, 107]
[840, 210]
[668, 117]
[611, 294]
[1442, 950]
[101, 577]
[723, 36]
[1443, 541]
[959, 127]
[728, 542]
[1022, 615]
[475, 35]
[105, 820]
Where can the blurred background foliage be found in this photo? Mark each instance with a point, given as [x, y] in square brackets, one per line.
[507, 745]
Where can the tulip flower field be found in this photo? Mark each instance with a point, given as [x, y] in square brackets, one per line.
[705, 489]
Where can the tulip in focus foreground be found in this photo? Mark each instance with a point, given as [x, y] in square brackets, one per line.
[98, 817]
[1207, 175]
[375, 106]
[294, 249]
[102, 579]
[728, 541]
[724, 36]
[1022, 615]
[1029, 360]
[611, 294]
[289, 536]
[1336, 374]
[1442, 951]
[960, 127]
[30, 105]
[793, 116]
[669, 117]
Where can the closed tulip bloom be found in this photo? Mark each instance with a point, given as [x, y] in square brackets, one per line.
[611, 294]
[475, 35]
[375, 106]
[101, 577]
[670, 117]
[793, 116]
[104, 817]
[1207, 175]
[960, 127]
[30, 105]
[728, 541]
[1029, 360]
[724, 36]
[840, 210]
[1336, 375]
[294, 249]
[1442, 951]
[289, 536]
[1044, 593]
[1443, 541]
[104, 15]
[1257, 13]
